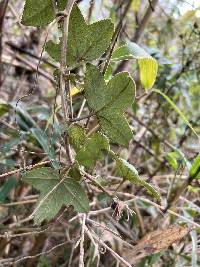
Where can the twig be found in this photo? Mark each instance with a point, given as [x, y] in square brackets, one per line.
[3, 6]
[142, 228]
[29, 53]
[110, 249]
[92, 179]
[175, 195]
[27, 168]
[63, 58]
[96, 251]
[138, 34]
[116, 35]
[23, 202]
[81, 256]
[64, 81]
[33, 67]
[81, 118]
[12, 261]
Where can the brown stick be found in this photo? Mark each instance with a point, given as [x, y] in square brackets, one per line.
[3, 6]
[30, 167]
[116, 34]
[139, 32]
[64, 82]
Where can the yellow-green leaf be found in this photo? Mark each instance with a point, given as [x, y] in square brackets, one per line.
[147, 64]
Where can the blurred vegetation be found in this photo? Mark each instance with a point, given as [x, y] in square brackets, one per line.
[138, 203]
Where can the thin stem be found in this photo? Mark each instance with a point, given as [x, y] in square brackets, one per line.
[116, 35]
[27, 168]
[92, 179]
[81, 118]
[81, 257]
[3, 6]
[64, 81]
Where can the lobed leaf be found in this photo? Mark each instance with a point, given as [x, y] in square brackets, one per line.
[109, 101]
[85, 42]
[55, 192]
[92, 150]
[38, 12]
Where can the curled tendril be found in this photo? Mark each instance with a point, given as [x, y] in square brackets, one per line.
[102, 249]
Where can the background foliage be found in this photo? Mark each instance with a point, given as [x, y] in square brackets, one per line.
[99, 133]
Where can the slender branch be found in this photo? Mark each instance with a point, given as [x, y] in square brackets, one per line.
[27, 168]
[3, 6]
[29, 53]
[122, 260]
[176, 195]
[82, 118]
[139, 32]
[92, 179]
[145, 19]
[116, 35]
[33, 66]
[64, 81]
[81, 257]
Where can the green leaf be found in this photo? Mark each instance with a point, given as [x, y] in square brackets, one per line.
[177, 110]
[4, 108]
[93, 150]
[26, 120]
[6, 188]
[147, 64]
[177, 159]
[44, 142]
[109, 101]
[74, 172]
[55, 192]
[195, 167]
[85, 42]
[77, 136]
[172, 160]
[38, 12]
[9, 145]
[128, 172]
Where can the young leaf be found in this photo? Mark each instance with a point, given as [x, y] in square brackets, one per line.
[77, 136]
[55, 192]
[195, 167]
[109, 101]
[92, 150]
[177, 110]
[38, 12]
[128, 172]
[85, 42]
[147, 64]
